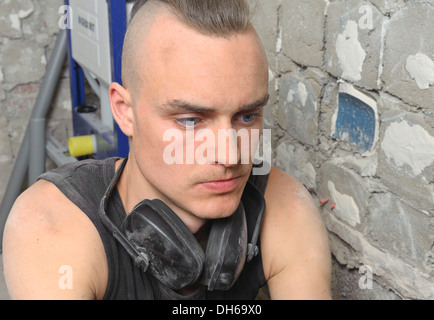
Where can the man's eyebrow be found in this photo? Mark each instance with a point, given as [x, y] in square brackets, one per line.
[257, 104]
[183, 106]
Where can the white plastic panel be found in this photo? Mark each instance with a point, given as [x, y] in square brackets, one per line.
[90, 37]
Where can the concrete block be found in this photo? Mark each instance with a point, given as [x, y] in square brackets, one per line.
[265, 17]
[12, 14]
[406, 154]
[354, 250]
[353, 42]
[344, 188]
[299, 108]
[20, 101]
[17, 110]
[364, 166]
[270, 110]
[329, 105]
[23, 62]
[350, 284]
[399, 229]
[6, 159]
[5, 155]
[45, 19]
[408, 71]
[296, 161]
[388, 7]
[302, 25]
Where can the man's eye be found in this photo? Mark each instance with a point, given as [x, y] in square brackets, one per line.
[188, 122]
[249, 117]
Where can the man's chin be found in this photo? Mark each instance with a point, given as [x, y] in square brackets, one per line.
[219, 208]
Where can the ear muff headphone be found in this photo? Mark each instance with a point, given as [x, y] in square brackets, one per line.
[161, 244]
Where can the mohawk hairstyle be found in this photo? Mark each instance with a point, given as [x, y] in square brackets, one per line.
[210, 17]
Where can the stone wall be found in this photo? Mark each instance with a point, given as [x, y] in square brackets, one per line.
[379, 179]
[380, 213]
[28, 30]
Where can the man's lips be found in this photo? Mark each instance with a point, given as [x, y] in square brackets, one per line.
[222, 185]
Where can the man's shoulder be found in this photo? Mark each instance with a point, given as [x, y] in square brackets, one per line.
[36, 203]
[293, 231]
[289, 200]
[284, 189]
[41, 236]
[41, 210]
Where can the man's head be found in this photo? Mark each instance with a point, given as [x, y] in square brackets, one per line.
[190, 62]
[216, 18]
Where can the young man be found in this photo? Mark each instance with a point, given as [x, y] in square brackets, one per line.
[188, 65]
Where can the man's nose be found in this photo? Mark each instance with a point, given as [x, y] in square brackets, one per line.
[227, 146]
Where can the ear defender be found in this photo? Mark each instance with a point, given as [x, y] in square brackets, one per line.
[175, 257]
[161, 244]
[226, 251]
[155, 231]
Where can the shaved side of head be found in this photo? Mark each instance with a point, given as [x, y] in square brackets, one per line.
[139, 27]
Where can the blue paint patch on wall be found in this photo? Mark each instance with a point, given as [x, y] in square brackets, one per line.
[355, 122]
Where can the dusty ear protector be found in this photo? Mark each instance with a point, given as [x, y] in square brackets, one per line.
[161, 244]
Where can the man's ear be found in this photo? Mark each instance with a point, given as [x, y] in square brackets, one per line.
[121, 106]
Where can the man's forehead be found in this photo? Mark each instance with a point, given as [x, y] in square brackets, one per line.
[162, 46]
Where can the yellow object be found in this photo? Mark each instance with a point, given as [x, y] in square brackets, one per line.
[82, 146]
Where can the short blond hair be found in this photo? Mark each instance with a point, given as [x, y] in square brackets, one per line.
[210, 17]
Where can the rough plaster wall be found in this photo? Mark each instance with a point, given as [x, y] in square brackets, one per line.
[383, 218]
[28, 30]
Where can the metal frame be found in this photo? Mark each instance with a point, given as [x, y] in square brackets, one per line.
[89, 123]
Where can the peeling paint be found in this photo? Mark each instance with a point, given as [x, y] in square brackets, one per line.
[346, 208]
[15, 21]
[279, 42]
[421, 69]
[302, 93]
[270, 75]
[25, 13]
[409, 144]
[350, 52]
[290, 96]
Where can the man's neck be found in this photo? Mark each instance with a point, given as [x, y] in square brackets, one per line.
[129, 185]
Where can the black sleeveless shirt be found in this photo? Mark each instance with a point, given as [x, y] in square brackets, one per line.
[85, 182]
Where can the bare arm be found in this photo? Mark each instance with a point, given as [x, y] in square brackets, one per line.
[50, 248]
[295, 248]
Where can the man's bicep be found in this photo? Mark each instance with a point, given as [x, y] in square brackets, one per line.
[302, 282]
[305, 269]
[295, 242]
